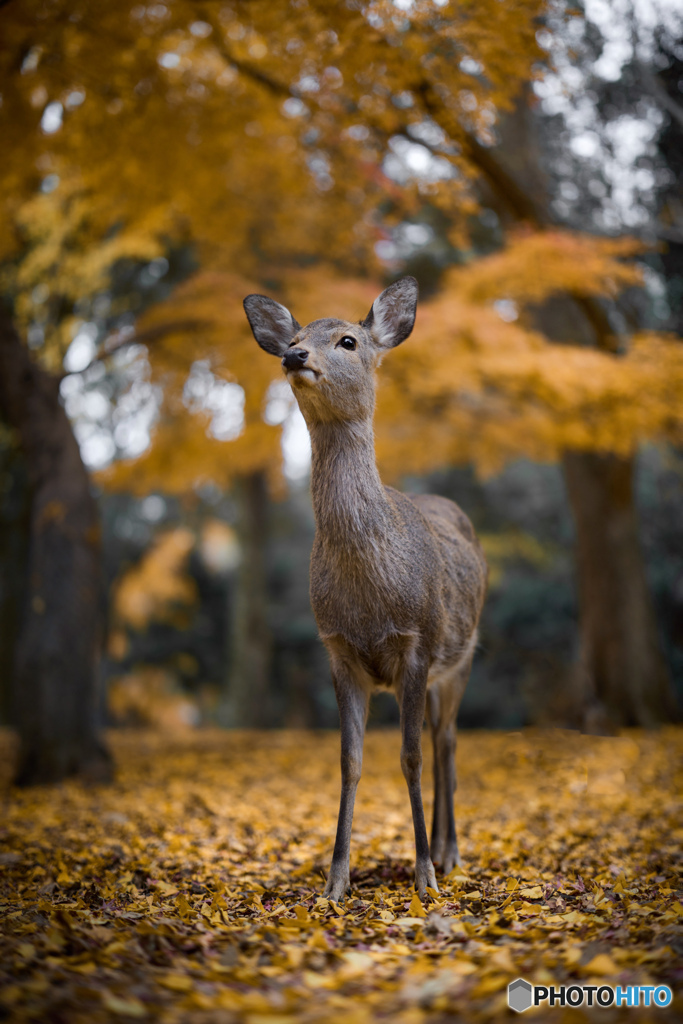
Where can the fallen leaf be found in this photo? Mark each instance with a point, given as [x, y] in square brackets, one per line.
[175, 916]
[416, 909]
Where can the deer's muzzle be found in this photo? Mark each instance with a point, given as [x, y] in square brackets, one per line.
[294, 358]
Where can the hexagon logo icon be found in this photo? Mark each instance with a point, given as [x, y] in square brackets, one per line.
[519, 995]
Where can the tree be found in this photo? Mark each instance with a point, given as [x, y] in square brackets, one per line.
[131, 129]
[513, 391]
[590, 104]
[208, 402]
[261, 137]
[57, 650]
[14, 515]
[472, 386]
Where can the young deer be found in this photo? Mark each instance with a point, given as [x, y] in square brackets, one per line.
[397, 581]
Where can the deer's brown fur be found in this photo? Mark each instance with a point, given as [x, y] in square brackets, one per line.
[397, 581]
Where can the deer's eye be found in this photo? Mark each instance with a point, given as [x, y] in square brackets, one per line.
[347, 342]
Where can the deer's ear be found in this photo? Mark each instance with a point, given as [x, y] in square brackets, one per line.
[273, 325]
[392, 316]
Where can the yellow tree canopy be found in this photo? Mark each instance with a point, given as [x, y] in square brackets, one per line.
[467, 385]
[536, 265]
[258, 133]
[472, 385]
[195, 365]
[202, 343]
[255, 130]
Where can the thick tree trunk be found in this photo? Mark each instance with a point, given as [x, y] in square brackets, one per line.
[56, 655]
[15, 524]
[251, 647]
[622, 676]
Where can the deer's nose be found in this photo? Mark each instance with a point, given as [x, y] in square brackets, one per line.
[294, 358]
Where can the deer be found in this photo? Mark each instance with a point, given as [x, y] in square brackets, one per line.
[397, 581]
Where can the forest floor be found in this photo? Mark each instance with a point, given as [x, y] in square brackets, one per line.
[190, 890]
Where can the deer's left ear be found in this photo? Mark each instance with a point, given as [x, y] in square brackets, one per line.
[392, 316]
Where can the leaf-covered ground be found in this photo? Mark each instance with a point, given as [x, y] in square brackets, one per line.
[190, 890]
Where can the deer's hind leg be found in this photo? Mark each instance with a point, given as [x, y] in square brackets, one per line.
[443, 700]
[411, 694]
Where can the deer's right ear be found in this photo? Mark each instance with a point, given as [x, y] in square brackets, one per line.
[273, 325]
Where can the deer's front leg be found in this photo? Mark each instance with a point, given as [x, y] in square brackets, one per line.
[412, 699]
[352, 700]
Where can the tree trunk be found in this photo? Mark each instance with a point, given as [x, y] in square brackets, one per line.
[56, 656]
[15, 518]
[251, 648]
[622, 676]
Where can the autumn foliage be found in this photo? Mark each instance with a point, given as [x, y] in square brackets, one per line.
[190, 891]
[497, 390]
[255, 132]
[469, 386]
[261, 145]
[258, 135]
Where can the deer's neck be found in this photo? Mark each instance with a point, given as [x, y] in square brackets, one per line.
[350, 505]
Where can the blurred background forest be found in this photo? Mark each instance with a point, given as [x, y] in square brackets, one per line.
[522, 160]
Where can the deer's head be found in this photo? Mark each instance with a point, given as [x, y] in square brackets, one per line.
[330, 363]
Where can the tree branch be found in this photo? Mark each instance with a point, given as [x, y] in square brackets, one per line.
[146, 337]
[273, 86]
[661, 95]
[521, 205]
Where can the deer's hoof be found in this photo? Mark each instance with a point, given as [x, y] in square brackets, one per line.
[424, 877]
[451, 859]
[336, 888]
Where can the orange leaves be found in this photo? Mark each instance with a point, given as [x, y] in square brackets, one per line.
[151, 697]
[256, 137]
[468, 385]
[478, 383]
[158, 588]
[191, 887]
[215, 381]
[535, 265]
[256, 134]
